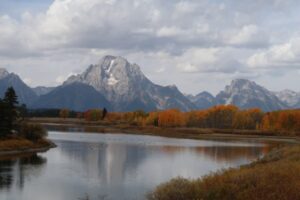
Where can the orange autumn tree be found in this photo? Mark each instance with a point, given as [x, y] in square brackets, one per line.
[93, 115]
[152, 119]
[171, 118]
[221, 116]
[196, 118]
[285, 120]
[247, 119]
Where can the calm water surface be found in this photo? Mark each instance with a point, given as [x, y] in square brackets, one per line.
[116, 166]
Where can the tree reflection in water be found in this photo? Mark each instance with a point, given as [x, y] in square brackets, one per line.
[14, 169]
[117, 166]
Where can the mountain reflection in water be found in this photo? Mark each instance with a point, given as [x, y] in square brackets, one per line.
[115, 166]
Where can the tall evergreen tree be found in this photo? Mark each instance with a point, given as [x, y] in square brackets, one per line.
[4, 121]
[11, 98]
[11, 113]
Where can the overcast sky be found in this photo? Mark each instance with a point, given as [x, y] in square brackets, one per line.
[196, 44]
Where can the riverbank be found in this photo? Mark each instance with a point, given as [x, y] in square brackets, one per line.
[58, 124]
[18, 145]
[276, 176]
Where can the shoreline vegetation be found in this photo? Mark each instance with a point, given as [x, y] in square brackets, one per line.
[17, 136]
[275, 176]
[73, 125]
[19, 145]
[220, 118]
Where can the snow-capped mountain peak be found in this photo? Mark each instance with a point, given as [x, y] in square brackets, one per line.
[238, 85]
[110, 74]
[124, 84]
[248, 94]
[289, 97]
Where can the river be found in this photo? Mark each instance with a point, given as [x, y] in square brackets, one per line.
[116, 166]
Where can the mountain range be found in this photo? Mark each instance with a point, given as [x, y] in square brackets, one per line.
[118, 85]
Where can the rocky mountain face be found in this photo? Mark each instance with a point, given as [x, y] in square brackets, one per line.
[75, 96]
[247, 94]
[203, 100]
[125, 86]
[118, 85]
[290, 98]
[24, 93]
[41, 90]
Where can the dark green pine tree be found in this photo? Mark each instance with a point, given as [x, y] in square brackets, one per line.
[4, 119]
[11, 101]
[11, 98]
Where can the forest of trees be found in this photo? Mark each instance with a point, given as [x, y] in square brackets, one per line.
[217, 117]
[227, 117]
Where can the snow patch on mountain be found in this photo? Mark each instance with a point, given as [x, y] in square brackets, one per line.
[289, 97]
[127, 88]
[112, 80]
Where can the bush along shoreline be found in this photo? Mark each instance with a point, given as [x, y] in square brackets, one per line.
[275, 176]
[16, 135]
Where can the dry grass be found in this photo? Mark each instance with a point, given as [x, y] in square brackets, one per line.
[277, 176]
[18, 143]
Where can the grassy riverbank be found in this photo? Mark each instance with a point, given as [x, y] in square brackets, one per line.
[29, 138]
[19, 145]
[276, 176]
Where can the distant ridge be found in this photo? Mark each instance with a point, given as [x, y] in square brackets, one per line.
[203, 100]
[25, 93]
[118, 85]
[76, 96]
[247, 94]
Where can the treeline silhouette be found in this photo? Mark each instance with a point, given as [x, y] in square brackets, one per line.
[52, 112]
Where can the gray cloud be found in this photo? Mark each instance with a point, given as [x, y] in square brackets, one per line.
[175, 38]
